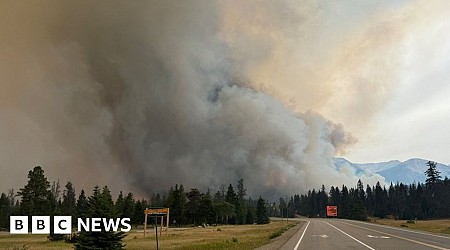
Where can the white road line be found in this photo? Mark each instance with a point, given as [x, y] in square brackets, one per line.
[298, 243]
[404, 230]
[400, 237]
[350, 236]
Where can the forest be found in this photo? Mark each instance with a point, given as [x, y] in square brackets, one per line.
[187, 208]
[228, 205]
[429, 200]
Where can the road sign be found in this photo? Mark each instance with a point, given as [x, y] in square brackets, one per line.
[332, 211]
[157, 211]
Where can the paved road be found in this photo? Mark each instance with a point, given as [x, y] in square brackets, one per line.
[336, 234]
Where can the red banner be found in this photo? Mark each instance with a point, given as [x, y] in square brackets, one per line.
[332, 211]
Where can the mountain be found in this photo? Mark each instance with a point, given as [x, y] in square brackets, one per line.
[412, 170]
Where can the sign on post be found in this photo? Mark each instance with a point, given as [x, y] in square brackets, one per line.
[157, 212]
[331, 211]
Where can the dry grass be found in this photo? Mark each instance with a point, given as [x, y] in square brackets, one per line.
[434, 226]
[220, 237]
[29, 241]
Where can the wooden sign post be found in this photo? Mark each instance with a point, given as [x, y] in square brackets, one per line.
[157, 212]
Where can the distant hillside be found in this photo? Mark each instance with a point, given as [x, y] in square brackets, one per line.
[412, 170]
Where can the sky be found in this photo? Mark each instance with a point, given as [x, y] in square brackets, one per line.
[413, 120]
[143, 95]
[381, 69]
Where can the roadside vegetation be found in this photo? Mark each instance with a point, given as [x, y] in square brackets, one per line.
[187, 208]
[230, 205]
[417, 201]
[433, 226]
[213, 237]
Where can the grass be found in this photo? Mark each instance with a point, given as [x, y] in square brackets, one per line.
[433, 226]
[29, 241]
[221, 237]
[280, 231]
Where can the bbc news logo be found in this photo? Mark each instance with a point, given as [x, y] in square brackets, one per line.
[63, 224]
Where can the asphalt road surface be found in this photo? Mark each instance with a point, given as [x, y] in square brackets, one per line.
[336, 234]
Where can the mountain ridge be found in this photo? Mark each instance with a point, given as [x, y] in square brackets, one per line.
[407, 172]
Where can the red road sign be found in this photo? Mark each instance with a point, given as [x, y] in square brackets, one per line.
[332, 211]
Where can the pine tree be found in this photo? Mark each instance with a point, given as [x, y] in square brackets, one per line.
[68, 205]
[5, 211]
[100, 205]
[176, 201]
[194, 210]
[241, 210]
[250, 218]
[55, 209]
[261, 212]
[118, 206]
[433, 177]
[128, 206]
[231, 198]
[35, 195]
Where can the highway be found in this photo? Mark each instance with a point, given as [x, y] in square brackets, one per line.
[336, 234]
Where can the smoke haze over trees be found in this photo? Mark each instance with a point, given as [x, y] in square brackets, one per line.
[224, 206]
[414, 201]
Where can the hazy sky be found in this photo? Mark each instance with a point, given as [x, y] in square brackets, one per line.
[381, 68]
[141, 95]
[414, 120]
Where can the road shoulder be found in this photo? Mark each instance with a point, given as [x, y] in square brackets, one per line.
[278, 242]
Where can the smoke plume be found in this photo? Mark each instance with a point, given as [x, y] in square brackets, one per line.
[140, 95]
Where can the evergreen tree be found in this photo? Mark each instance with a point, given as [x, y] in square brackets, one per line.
[118, 206]
[100, 205]
[370, 202]
[261, 212]
[241, 210]
[297, 204]
[35, 195]
[5, 211]
[82, 205]
[322, 200]
[68, 205]
[283, 207]
[128, 206]
[345, 206]
[433, 177]
[156, 200]
[380, 198]
[138, 214]
[176, 201]
[250, 217]
[194, 209]
[231, 197]
[55, 209]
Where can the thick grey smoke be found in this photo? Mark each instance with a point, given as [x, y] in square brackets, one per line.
[141, 95]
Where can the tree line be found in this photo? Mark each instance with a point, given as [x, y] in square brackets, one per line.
[429, 200]
[193, 207]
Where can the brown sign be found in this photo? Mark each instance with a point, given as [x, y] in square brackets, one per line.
[157, 211]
